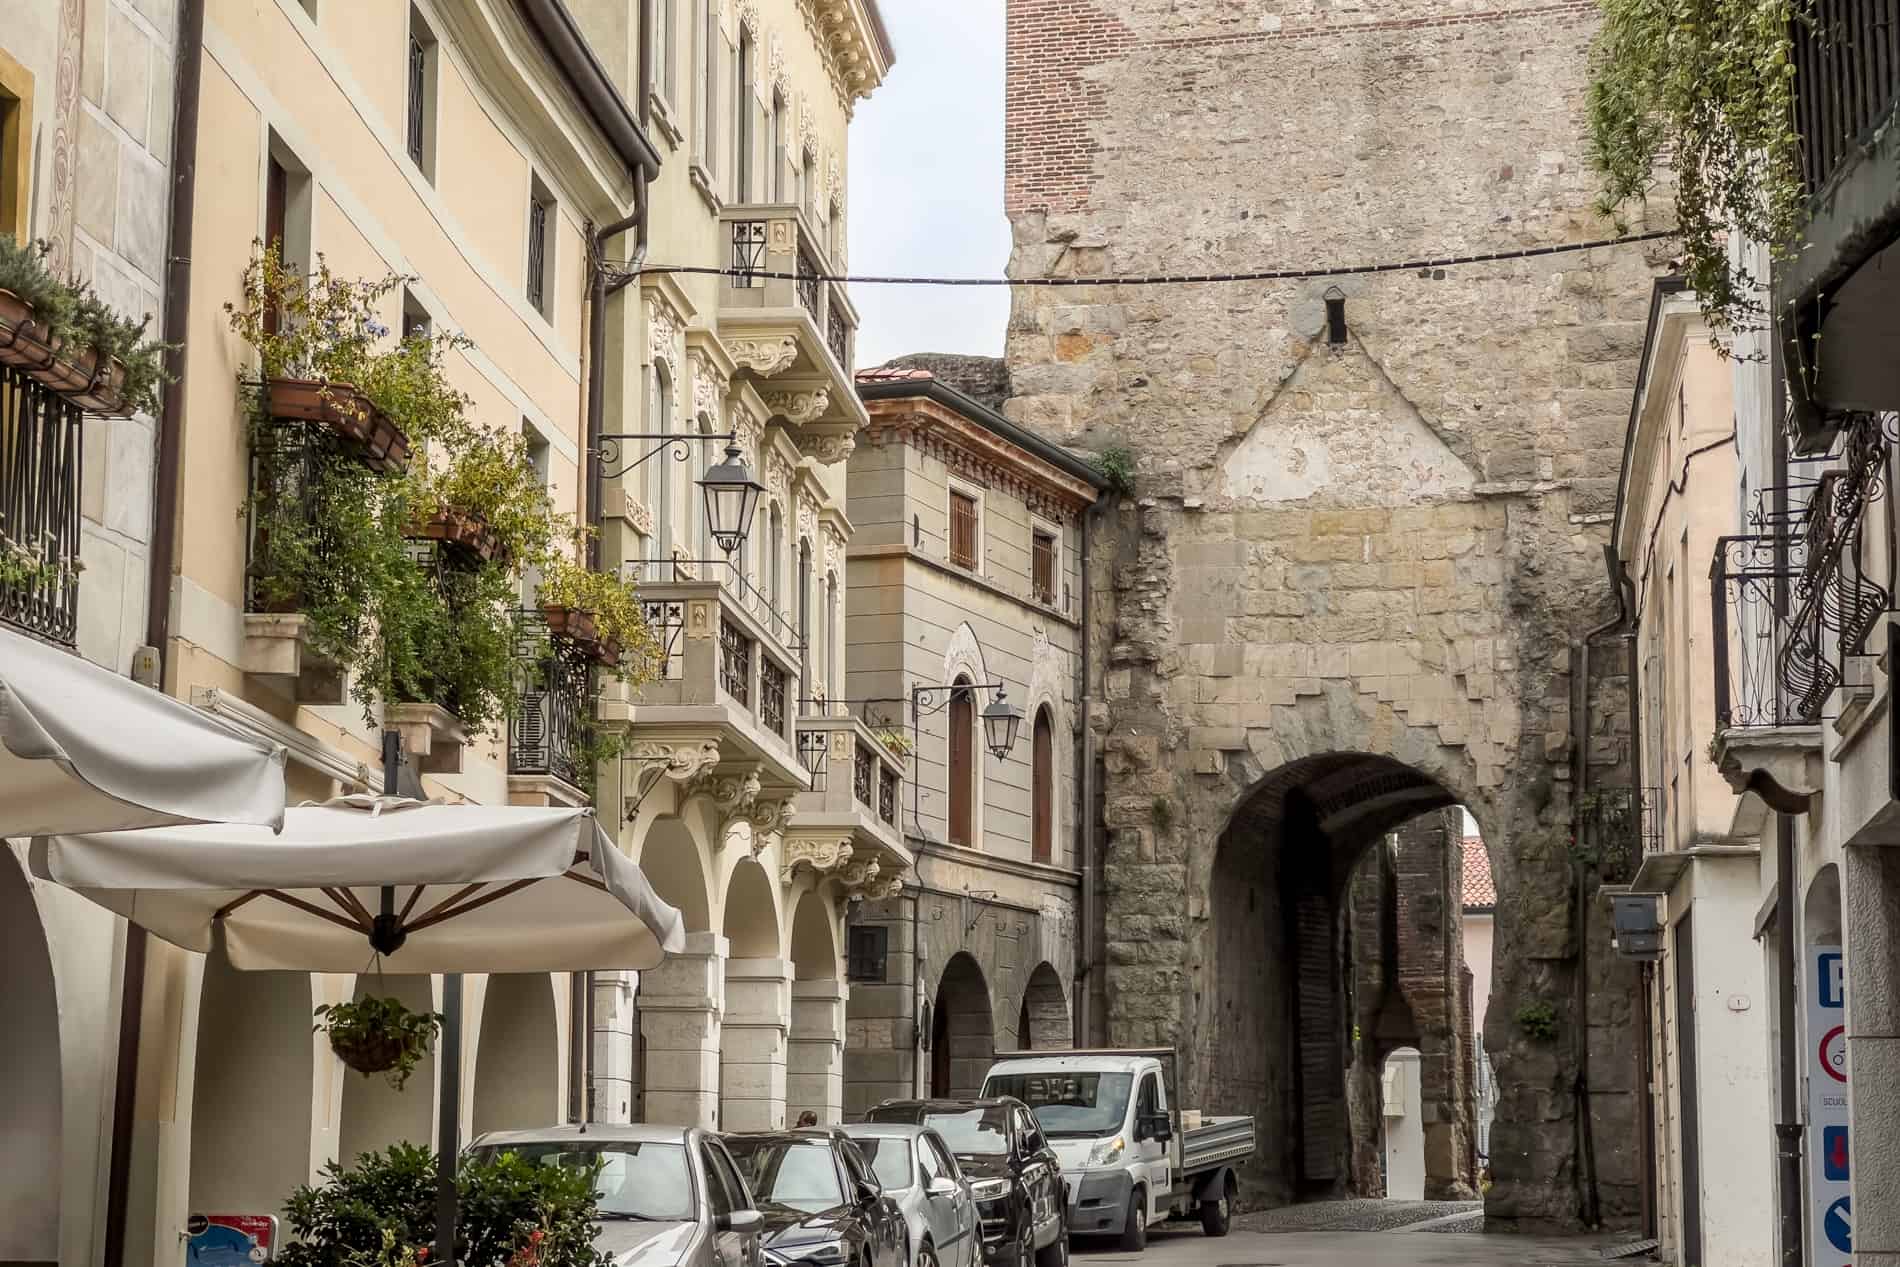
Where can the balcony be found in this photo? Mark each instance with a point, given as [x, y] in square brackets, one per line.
[850, 821]
[725, 687]
[793, 331]
[1846, 277]
[39, 509]
[549, 761]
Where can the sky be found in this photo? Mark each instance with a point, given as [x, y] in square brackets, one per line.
[927, 184]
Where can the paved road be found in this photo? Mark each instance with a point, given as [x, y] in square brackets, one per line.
[1242, 1248]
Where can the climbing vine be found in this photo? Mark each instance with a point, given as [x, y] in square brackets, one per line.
[1707, 88]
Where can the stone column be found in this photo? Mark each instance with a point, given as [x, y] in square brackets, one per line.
[680, 1006]
[752, 1049]
[814, 1077]
[1870, 897]
[614, 1086]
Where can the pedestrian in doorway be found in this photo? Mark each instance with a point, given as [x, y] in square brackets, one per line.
[807, 1118]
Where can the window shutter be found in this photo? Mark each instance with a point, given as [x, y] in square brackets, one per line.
[963, 531]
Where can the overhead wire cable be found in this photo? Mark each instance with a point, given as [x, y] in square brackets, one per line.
[1170, 279]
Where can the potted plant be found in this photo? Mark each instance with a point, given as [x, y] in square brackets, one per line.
[896, 741]
[379, 1035]
[598, 613]
[63, 336]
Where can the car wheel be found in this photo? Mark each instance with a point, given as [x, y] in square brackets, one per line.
[927, 1255]
[1135, 1226]
[1216, 1214]
[1056, 1252]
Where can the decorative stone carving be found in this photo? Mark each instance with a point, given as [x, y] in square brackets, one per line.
[807, 516]
[778, 240]
[764, 357]
[749, 18]
[738, 799]
[778, 474]
[828, 450]
[680, 762]
[823, 856]
[709, 388]
[807, 127]
[799, 408]
[665, 336]
[640, 515]
[699, 619]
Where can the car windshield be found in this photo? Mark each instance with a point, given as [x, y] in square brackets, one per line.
[1069, 1103]
[890, 1160]
[972, 1132]
[638, 1179]
[798, 1174]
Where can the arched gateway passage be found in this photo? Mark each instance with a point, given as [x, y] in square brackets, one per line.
[1285, 1002]
[963, 1033]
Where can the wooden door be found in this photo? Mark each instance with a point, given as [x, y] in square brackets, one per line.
[962, 765]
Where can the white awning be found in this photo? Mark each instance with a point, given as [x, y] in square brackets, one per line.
[476, 888]
[85, 750]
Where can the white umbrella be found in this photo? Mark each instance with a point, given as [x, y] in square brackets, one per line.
[82, 749]
[436, 888]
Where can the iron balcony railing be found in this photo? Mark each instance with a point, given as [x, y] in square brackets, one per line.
[1768, 672]
[40, 447]
[811, 291]
[838, 333]
[548, 733]
[1846, 80]
[1616, 828]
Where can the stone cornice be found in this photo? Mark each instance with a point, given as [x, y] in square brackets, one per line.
[850, 36]
[977, 454]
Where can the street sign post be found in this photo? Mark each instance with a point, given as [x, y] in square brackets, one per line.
[1829, 1148]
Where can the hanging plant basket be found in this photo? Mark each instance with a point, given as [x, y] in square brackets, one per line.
[363, 428]
[379, 1035]
[580, 629]
[467, 534]
[78, 375]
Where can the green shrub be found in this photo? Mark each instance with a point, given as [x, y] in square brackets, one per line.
[379, 1211]
[72, 312]
[1538, 1020]
[1117, 466]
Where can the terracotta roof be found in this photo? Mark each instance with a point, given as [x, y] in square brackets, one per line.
[1481, 892]
[898, 375]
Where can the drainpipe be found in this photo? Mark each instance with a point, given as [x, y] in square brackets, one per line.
[1085, 748]
[1788, 1134]
[158, 590]
[1589, 1197]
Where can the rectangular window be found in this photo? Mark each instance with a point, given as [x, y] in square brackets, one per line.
[664, 49]
[415, 318]
[421, 104]
[1043, 566]
[287, 200]
[708, 73]
[869, 952]
[775, 149]
[540, 287]
[742, 122]
[963, 530]
[16, 143]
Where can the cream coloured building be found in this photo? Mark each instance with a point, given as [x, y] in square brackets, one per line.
[966, 578]
[750, 797]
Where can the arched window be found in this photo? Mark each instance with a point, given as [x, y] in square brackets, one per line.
[1043, 788]
[659, 470]
[804, 613]
[963, 763]
[834, 668]
[774, 565]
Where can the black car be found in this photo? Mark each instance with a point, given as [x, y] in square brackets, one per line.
[822, 1204]
[1013, 1174]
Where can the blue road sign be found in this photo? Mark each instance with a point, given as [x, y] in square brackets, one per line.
[1834, 1153]
[1839, 1226]
[1830, 989]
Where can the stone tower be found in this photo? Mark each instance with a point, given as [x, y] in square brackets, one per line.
[1365, 536]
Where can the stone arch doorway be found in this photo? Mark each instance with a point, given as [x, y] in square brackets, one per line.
[518, 1057]
[252, 1088]
[814, 1071]
[1043, 1023]
[962, 1031]
[756, 1025]
[376, 1114]
[30, 1070]
[1280, 1013]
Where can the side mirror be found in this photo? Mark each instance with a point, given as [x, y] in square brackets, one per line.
[942, 1186]
[744, 1222]
[868, 1192]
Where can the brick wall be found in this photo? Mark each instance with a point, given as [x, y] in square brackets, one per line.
[1051, 100]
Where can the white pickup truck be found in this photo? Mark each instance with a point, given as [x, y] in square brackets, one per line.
[1127, 1160]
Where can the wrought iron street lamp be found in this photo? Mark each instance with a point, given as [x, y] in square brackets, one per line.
[1001, 721]
[732, 494]
[731, 497]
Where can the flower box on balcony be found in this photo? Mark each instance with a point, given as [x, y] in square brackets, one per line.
[78, 375]
[346, 411]
[582, 630]
[468, 534]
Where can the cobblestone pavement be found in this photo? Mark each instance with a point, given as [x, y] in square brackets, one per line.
[1246, 1246]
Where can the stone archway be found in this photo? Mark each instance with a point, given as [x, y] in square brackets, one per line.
[518, 1057]
[1279, 1016]
[251, 1091]
[963, 1033]
[1043, 1023]
[756, 1024]
[814, 1074]
[30, 1072]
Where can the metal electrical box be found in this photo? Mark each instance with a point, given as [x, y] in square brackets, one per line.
[1636, 925]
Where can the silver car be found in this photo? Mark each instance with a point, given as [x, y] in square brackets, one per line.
[669, 1196]
[920, 1173]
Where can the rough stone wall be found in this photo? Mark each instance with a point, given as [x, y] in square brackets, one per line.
[1381, 546]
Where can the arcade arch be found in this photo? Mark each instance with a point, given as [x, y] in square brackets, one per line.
[518, 1057]
[963, 1033]
[30, 1108]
